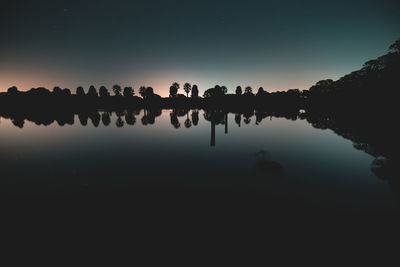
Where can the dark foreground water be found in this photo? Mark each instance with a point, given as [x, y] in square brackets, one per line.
[283, 165]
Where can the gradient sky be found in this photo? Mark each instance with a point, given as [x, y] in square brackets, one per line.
[274, 44]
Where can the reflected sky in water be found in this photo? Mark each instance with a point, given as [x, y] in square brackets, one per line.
[317, 167]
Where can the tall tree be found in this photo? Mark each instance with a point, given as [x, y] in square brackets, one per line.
[12, 91]
[239, 90]
[195, 91]
[103, 92]
[248, 90]
[224, 90]
[57, 91]
[187, 87]
[142, 91]
[117, 90]
[80, 91]
[128, 91]
[92, 91]
[173, 89]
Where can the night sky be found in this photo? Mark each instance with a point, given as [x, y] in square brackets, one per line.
[275, 44]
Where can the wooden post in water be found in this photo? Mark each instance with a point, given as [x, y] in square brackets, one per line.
[226, 123]
[212, 133]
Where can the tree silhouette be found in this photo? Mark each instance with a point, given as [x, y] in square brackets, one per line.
[173, 89]
[128, 91]
[130, 118]
[92, 91]
[395, 47]
[95, 118]
[174, 119]
[187, 88]
[80, 91]
[117, 90]
[195, 117]
[149, 91]
[12, 91]
[57, 91]
[248, 90]
[119, 123]
[224, 90]
[217, 91]
[261, 92]
[66, 92]
[188, 122]
[239, 90]
[105, 118]
[103, 92]
[142, 91]
[195, 91]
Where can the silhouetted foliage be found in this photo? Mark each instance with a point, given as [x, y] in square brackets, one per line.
[174, 119]
[146, 92]
[80, 91]
[238, 90]
[248, 90]
[261, 92]
[195, 117]
[395, 47]
[217, 91]
[117, 90]
[173, 89]
[195, 91]
[105, 118]
[142, 91]
[130, 118]
[128, 91]
[12, 91]
[92, 91]
[187, 87]
[66, 92]
[57, 91]
[95, 118]
[103, 92]
[119, 123]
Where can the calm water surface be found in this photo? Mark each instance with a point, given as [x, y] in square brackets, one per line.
[282, 162]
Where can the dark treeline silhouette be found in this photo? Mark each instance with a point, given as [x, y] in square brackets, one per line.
[125, 98]
[373, 86]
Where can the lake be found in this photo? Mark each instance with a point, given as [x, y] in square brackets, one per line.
[277, 162]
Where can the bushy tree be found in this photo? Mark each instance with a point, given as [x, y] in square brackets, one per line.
[80, 91]
[128, 91]
[12, 91]
[195, 91]
[103, 92]
[248, 90]
[92, 92]
[117, 90]
[239, 90]
[173, 89]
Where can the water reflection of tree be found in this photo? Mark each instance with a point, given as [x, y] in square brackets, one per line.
[130, 118]
[174, 119]
[94, 116]
[105, 118]
[119, 123]
[150, 115]
[215, 117]
[195, 117]
[188, 122]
